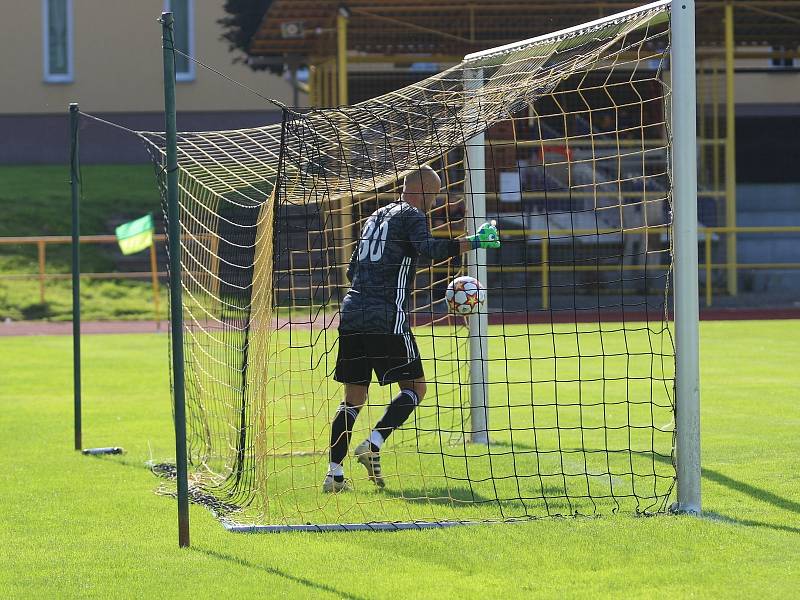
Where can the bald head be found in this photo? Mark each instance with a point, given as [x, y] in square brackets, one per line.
[420, 188]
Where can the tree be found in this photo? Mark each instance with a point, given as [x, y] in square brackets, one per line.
[241, 24]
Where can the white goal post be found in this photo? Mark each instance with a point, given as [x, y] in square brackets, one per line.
[687, 309]
[475, 198]
[686, 302]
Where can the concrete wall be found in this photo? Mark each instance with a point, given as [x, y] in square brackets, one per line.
[756, 81]
[117, 72]
[778, 87]
[117, 62]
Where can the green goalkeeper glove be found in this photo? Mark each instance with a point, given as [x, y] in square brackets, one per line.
[487, 236]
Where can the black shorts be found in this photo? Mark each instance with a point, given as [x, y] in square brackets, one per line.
[393, 357]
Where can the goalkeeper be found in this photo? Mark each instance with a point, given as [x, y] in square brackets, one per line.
[374, 331]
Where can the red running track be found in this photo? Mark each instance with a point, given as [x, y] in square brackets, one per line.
[14, 328]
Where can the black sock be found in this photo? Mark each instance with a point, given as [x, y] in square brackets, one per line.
[396, 414]
[341, 429]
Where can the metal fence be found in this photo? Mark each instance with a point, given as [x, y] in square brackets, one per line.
[708, 236]
[42, 242]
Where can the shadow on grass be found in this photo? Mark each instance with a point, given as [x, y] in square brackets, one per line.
[551, 502]
[120, 461]
[464, 497]
[715, 516]
[313, 585]
[439, 495]
[509, 448]
[752, 491]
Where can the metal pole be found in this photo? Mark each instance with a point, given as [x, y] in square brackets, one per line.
[345, 219]
[701, 134]
[475, 198]
[730, 152]
[715, 121]
[295, 91]
[331, 84]
[74, 181]
[312, 85]
[175, 295]
[325, 87]
[154, 281]
[341, 55]
[41, 247]
[684, 169]
[709, 272]
[545, 272]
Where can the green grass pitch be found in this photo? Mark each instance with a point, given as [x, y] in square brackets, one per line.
[75, 526]
[593, 450]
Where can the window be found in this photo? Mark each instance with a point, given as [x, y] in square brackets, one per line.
[57, 38]
[183, 14]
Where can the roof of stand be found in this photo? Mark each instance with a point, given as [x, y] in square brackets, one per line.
[458, 27]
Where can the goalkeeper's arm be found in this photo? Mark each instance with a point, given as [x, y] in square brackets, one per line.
[429, 247]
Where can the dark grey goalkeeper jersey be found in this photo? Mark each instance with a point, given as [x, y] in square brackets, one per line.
[383, 267]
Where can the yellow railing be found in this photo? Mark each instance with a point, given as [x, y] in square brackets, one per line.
[41, 243]
[734, 264]
[545, 237]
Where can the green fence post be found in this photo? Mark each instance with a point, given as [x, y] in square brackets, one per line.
[74, 180]
[175, 300]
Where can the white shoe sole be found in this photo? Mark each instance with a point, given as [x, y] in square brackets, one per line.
[364, 455]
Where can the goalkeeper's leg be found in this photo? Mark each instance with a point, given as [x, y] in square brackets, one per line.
[354, 370]
[368, 452]
[341, 430]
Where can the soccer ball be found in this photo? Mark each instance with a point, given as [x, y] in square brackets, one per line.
[465, 295]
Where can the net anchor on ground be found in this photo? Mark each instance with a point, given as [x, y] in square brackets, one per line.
[675, 509]
[102, 451]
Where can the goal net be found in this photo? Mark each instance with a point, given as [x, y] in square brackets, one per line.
[556, 399]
